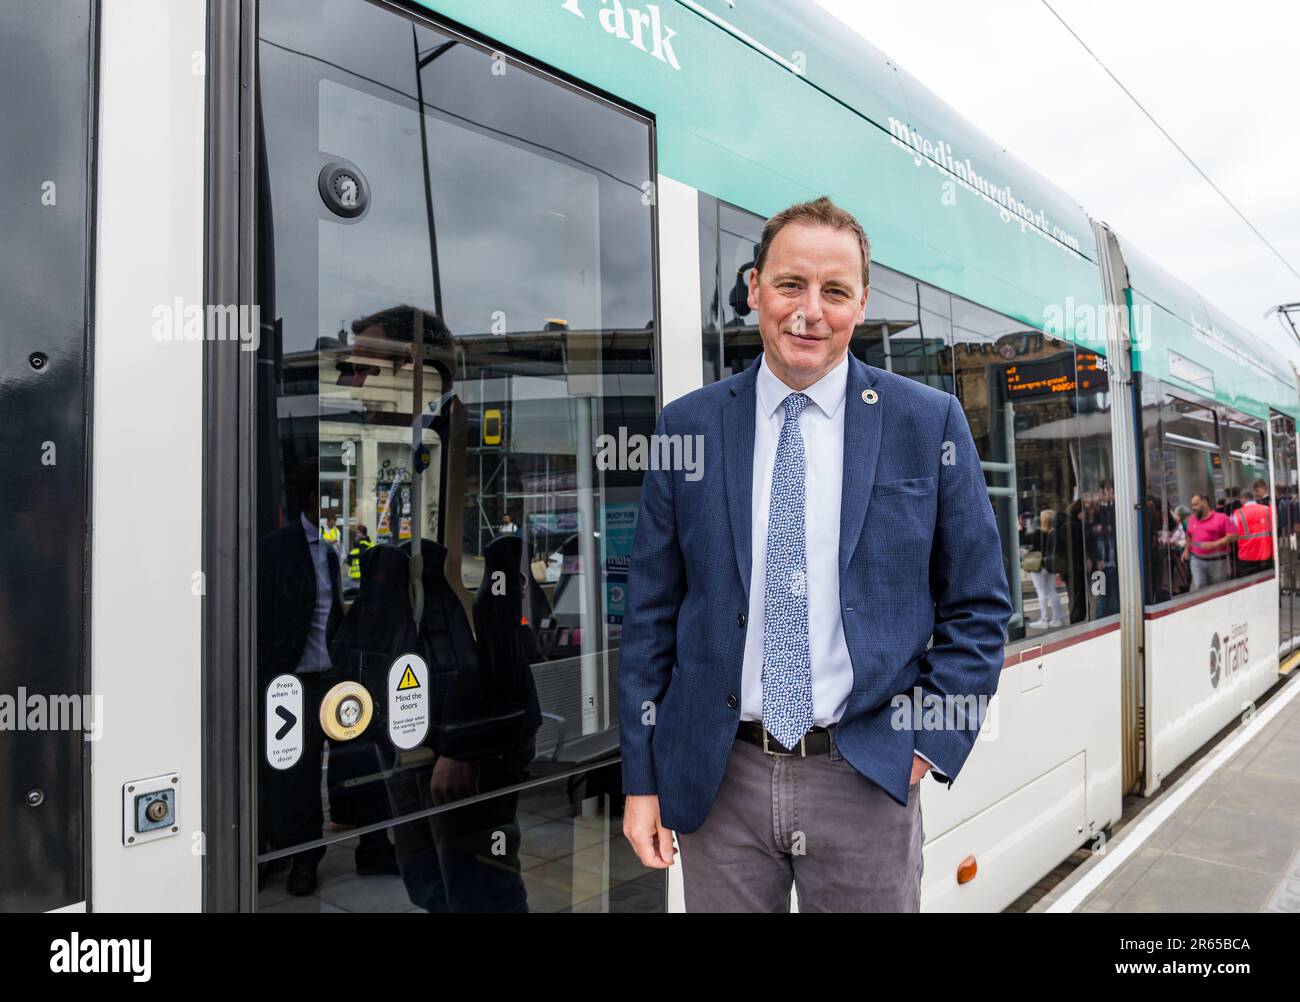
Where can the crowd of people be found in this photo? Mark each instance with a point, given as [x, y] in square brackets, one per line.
[1074, 549]
[1189, 546]
[1208, 540]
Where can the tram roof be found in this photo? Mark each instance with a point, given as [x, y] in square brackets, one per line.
[1186, 341]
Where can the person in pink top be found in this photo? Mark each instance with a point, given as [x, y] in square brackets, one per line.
[1210, 536]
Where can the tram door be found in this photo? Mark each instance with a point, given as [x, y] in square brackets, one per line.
[1286, 519]
[455, 259]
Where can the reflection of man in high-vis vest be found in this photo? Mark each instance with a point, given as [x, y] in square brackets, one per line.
[364, 542]
[331, 533]
[1253, 523]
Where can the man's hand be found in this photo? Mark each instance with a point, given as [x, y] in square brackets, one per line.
[652, 842]
[452, 780]
[919, 768]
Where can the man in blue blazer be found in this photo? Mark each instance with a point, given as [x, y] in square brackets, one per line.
[816, 611]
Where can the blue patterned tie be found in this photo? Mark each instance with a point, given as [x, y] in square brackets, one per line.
[787, 665]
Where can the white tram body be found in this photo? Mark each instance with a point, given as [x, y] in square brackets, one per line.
[202, 117]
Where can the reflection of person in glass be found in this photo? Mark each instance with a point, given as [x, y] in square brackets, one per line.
[1209, 541]
[363, 543]
[1070, 559]
[1103, 542]
[1040, 572]
[483, 706]
[299, 609]
[331, 533]
[1252, 523]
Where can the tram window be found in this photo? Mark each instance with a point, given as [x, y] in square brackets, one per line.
[1286, 523]
[1183, 461]
[731, 341]
[505, 234]
[1191, 439]
[891, 319]
[1247, 458]
[1042, 427]
[1162, 525]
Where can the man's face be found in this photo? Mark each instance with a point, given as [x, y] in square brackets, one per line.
[809, 297]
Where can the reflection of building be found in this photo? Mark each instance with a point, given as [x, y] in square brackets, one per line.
[527, 402]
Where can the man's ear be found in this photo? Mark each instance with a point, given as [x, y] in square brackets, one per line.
[753, 288]
[862, 306]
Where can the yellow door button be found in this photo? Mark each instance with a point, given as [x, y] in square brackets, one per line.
[345, 711]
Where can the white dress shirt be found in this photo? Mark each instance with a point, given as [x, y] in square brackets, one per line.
[822, 427]
[315, 657]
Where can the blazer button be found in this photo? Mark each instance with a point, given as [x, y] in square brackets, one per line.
[740, 620]
[732, 701]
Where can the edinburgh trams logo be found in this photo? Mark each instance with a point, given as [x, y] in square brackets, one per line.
[643, 29]
[1229, 653]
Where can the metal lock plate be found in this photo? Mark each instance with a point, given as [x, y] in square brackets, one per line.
[150, 808]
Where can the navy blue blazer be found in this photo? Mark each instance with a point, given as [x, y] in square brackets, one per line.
[920, 558]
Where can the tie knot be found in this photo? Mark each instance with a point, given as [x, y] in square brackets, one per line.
[794, 405]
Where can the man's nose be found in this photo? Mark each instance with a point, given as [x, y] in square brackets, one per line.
[812, 304]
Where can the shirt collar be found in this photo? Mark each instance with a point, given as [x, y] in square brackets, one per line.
[827, 393]
[312, 531]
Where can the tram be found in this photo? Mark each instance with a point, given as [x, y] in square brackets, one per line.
[316, 314]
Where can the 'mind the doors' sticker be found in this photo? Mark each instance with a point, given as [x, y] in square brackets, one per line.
[408, 701]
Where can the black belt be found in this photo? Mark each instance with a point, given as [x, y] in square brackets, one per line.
[1208, 559]
[816, 742]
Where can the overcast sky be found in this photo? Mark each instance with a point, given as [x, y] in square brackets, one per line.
[1223, 80]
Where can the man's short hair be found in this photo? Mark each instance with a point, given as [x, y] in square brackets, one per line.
[1261, 483]
[398, 323]
[819, 212]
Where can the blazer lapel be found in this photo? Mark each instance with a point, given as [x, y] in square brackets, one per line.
[862, 423]
[738, 463]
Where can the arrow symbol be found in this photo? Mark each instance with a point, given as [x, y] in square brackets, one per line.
[289, 720]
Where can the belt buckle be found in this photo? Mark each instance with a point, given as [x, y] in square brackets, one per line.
[802, 752]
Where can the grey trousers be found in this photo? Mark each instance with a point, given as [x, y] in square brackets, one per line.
[816, 822]
[1208, 572]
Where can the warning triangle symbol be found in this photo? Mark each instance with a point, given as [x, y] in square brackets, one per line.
[409, 681]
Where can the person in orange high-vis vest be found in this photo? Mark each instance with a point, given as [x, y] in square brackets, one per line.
[1253, 523]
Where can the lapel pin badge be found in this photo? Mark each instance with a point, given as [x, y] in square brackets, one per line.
[870, 396]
